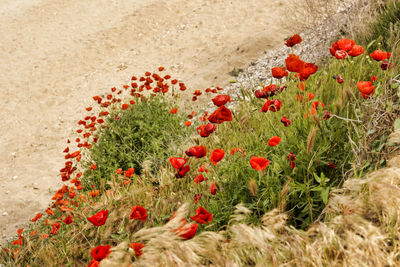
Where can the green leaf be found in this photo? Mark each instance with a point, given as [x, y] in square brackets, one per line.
[325, 194]
[317, 178]
[396, 125]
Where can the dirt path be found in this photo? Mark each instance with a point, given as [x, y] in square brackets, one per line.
[56, 54]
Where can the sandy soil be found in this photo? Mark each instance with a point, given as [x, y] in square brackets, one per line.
[56, 54]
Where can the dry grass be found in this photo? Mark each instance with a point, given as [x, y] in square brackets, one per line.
[310, 12]
[362, 229]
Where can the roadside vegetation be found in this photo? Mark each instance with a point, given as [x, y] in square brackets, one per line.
[287, 174]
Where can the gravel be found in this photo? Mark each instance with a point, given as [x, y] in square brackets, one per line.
[314, 48]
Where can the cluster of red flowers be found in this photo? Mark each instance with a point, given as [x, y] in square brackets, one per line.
[302, 70]
[379, 55]
[68, 197]
[345, 47]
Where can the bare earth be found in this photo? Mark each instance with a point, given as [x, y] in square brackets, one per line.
[56, 54]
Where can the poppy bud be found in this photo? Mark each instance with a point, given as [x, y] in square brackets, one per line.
[339, 79]
[385, 65]
[213, 190]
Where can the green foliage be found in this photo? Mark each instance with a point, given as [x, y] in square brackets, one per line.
[148, 132]
[385, 30]
[320, 165]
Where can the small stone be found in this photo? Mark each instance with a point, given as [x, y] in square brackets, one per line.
[15, 177]
[5, 213]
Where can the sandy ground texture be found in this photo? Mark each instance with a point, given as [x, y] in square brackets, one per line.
[56, 54]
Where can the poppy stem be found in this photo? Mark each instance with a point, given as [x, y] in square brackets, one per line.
[238, 121]
[267, 189]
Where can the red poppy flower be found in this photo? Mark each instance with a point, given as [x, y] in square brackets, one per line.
[124, 106]
[37, 217]
[292, 164]
[20, 239]
[385, 65]
[308, 70]
[291, 157]
[93, 167]
[138, 213]
[196, 151]
[272, 105]
[285, 121]
[310, 96]
[356, 51]
[217, 155]
[340, 54]
[366, 88]
[259, 164]
[331, 165]
[18, 242]
[129, 173]
[188, 123]
[327, 115]
[119, 171]
[294, 40]
[196, 198]
[182, 171]
[203, 168]
[333, 49]
[339, 79]
[49, 211]
[220, 115]
[99, 218]
[187, 231]
[294, 64]
[202, 216]
[213, 190]
[236, 150]
[274, 141]
[137, 248]
[221, 100]
[279, 73]
[206, 130]
[315, 104]
[260, 94]
[345, 44]
[68, 220]
[93, 263]
[55, 227]
[378, 55]
[173, 111]
[100, 252]
[270, 89]
[199, 178]
[177, 163]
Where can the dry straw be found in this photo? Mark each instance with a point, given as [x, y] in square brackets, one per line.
[362, 228]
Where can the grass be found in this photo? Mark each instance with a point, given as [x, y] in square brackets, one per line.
[302, 214]
[383, 32]
[146, 133]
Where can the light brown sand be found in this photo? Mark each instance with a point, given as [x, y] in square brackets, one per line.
[56, 54]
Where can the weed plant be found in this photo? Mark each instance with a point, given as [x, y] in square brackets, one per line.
[146, 133]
